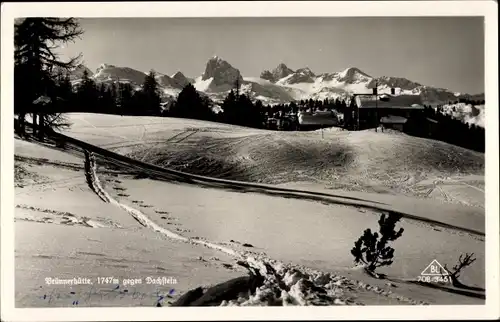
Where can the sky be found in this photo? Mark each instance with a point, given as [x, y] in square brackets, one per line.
[445, 52]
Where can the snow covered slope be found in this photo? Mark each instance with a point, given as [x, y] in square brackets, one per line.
[356, 161]
[164, 229]
[355, 165]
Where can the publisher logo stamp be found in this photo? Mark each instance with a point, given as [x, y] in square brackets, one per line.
[434, 273]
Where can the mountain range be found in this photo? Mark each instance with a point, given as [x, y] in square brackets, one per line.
[280, 85]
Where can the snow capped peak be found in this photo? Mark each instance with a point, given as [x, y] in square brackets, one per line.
[352, 72]
[282, 66]
[283, 69]
[107, 72]
[178, 74]
[166, 81]
[216, 58]
[180, 79]
[301, 75]
[221, 71]
[267, 75]
[156, 73]
[353, 75]
[306, 71]
[280, 72]
[397, 82]
[279, 85]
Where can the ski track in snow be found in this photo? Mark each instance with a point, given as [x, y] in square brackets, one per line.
[138, 215]
[297, 285]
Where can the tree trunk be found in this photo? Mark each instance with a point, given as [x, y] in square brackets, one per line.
[41, 125]
[21, 121]
[35, 124]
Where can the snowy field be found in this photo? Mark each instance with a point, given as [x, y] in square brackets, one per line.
[367, 161]
[110, 220]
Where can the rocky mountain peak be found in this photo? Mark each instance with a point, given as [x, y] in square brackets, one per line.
[306, 71]
[353, 75]
[180, 78]
[281, 71]
[221, 71]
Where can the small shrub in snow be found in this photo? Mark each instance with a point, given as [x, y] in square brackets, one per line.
[371, 249]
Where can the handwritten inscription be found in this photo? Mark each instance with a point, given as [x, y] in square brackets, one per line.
[83, 291]
[87, 295]
[68, 281]
[150, 280]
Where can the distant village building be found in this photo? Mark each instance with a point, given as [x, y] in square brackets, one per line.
[389, 110]
[393, 122]
[315, 120]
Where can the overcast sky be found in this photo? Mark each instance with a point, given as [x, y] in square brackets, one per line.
[443, 52]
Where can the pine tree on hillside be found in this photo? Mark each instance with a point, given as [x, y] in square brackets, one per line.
[191, 105]
[125, 95]
[150, 96]
[318, 105]
[107, 102]
[240, 110]
[35, 41]
[206, 109]
[259, 106]
[113, 97]
[337, 105]
[269, 110]
[63, 91]
[101, 98]
[87, 94]
[229, 106]
[249, 115]
[66, 89]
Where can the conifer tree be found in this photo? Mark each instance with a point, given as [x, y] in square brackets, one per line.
[87, 94]
[125, 94]
[229, 106]
[150, 95]
[191, 105]
[113, 97]
[65, 90]
[371, 249]
[35, 41]
[106, 99]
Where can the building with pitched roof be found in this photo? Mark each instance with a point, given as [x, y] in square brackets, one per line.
[371, 110]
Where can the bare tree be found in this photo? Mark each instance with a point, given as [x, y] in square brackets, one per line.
[454, 274]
